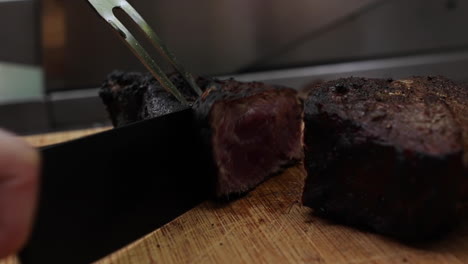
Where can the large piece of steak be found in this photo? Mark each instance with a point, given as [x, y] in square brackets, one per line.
[251, 130]
[387, 155]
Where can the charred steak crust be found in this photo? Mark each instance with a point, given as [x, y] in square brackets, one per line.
[252, 131]
[386, 155]
[131, 97]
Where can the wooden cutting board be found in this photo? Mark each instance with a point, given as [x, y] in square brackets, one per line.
[269, 225]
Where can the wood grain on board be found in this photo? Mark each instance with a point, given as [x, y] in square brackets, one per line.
[54, 138]
[269, 225]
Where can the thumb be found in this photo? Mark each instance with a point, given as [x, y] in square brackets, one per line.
[19, 170]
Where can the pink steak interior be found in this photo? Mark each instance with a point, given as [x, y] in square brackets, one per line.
[253, 137]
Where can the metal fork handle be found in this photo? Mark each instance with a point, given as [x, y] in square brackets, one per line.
[105, 9]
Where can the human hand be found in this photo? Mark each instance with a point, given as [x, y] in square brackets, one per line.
[19, 175]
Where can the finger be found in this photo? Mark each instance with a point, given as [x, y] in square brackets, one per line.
[19, 169]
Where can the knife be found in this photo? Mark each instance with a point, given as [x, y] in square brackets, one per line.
[101, 192]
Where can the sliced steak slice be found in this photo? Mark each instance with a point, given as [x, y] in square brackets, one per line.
[386, 155]
[252, 130]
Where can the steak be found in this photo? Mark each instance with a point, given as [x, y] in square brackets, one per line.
[250, 130]
[131, 97]
[387, 156]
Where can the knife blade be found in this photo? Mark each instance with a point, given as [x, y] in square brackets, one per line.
[101, 192]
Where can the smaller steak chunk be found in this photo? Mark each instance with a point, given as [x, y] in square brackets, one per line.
[386, 155]
[252, 131]
[131, 97]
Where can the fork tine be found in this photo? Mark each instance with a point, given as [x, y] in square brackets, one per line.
[159, 44]
[105, 9]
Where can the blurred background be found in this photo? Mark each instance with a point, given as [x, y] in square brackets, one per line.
[54, 54]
